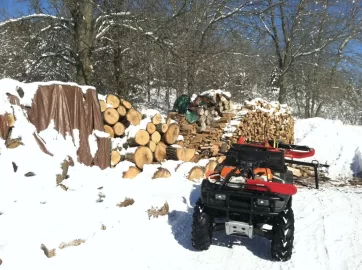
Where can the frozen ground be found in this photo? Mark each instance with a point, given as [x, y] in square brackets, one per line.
[327, 236]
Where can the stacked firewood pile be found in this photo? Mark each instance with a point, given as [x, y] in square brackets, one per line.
[258, 120]
[207, 141]
[142, 139]
[213, 110]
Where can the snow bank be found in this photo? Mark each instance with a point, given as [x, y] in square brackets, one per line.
[335, 144]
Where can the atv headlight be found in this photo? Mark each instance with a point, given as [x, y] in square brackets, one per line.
[262, 202]
[220, 196]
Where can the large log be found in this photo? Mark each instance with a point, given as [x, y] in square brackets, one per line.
[177, 153]
[143, 155]
[210, 166]
[142, 137]
[160, 152]
[112, 100]
[111, 116]
[173, 131]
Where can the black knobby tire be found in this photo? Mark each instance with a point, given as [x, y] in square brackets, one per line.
[201, 228]
[283, 234]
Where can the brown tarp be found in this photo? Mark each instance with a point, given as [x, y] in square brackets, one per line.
[71, 109]
[4, 127]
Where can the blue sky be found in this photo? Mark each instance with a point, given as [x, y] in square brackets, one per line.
[14, 9]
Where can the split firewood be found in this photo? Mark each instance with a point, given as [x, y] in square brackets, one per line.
[11, 119]
[155, 212]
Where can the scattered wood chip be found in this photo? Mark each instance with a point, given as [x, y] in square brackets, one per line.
[48, 252]
[73, 243]
[126, 202]
[155, 212]
[103, 227]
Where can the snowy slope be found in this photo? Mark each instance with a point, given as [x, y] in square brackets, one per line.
[336, 144]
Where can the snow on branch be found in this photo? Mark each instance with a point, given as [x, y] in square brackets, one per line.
[34, 16]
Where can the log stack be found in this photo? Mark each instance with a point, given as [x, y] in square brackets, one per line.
[258, 120]
[140, 138]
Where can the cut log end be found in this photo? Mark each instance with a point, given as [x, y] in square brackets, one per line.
[152, 145]
[103, 105]
[133, 117]
[115, 157]
[143, 155]
[141, 138]
[196, 173]
[131, 173]
[210, 166]
[109, 130]
[118, 129]
[161, 173]
[157, 119]
[151, 128]
[160, 152]
[156, 137]
[172, 133]
[112, 100]
[121, 110]
[111, 116]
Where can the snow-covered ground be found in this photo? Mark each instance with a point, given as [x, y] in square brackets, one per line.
[35, 212]
[327, 236]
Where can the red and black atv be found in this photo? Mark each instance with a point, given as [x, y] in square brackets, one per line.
[250, 193]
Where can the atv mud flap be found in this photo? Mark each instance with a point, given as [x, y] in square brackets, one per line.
[239, 228]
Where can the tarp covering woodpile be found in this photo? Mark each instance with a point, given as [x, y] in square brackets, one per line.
[72, 109]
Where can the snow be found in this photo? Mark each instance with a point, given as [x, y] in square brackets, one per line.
[29, 89]
[213, 92]
[335, 144]
[35, 211]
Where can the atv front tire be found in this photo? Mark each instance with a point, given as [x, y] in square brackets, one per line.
[201, 228]
[283, 235]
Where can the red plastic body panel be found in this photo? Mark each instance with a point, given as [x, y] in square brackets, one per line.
[286, 189]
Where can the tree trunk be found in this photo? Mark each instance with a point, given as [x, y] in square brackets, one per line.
[82, 12]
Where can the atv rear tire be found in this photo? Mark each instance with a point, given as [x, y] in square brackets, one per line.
[283, 234]
[201, 228]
